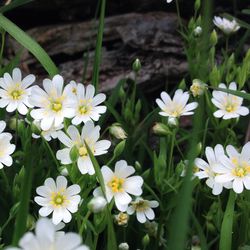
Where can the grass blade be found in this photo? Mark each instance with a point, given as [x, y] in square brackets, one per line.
[14, 5]
[27, 42]
[98, 50]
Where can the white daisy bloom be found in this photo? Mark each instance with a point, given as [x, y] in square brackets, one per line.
[56, 197]
[53, 103]
[46, 237]
[6, 148]
[235, 168]
[227, 26]
[87, 107]
[206, 169]
[119, 184]
[90, 134]
[169, 1]
[15, 91]
[49, 134]
[143, 209]
[230, 106]
[176, 107]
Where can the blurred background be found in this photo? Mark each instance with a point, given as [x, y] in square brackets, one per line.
[144, 29]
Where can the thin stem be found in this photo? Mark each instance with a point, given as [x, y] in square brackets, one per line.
[51, 152]
[2, 48]
[179, 15]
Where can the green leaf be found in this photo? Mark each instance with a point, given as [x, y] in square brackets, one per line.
[98, 50]
[26, 41]
[14, 5]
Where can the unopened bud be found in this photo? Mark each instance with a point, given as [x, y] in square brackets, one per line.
[145, 240]
[97, 204]
[161, 129]
[136, 65]
[213, 38]
[117, 131]
[173, 122]
[64, 171]
[14, 122]
[124, 246]
[122, 219]
[198, 31]
[197, 88]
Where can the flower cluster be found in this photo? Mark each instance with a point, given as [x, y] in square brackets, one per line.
[225, 168]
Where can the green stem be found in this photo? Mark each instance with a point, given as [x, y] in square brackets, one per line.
[170, 156]
[84, 222]
[51, 152]
[227, 223]
[2, 48]
[7, 184]
[179, 15]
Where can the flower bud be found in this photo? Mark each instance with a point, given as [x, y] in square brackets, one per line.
[117, 131]
[173, 122]
[197, 5]
[122, 219]
[213, 38]
[161, 129]
[136, 65]
[123, 246]
[97, 204]
[145, 240]
[197, 31]
[197, 88]
[14, 122]
[64, 171]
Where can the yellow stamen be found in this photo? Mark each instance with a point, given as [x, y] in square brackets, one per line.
[83, 151]
[56, 106]
[116, 184]
[16, 94]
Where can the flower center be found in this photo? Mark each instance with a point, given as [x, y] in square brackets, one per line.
[83, 151]
[56, 106]
[74, 90]
[84, 110]
[230, 107]
[58, 199]
[241, 169]
[16, 94]
[140, 205]
[116, 184]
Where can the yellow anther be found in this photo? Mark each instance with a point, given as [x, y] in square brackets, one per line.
[56, 106]
[83, 151]
[116, 184]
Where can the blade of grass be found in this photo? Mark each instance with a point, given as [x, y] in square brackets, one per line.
[234, 92]
[98, 50]
[14, 5]
[27, 42]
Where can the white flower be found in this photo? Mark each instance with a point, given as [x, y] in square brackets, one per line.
[230, 106]
[176, 107]
[143, 209]
[56, 197]
[46, 237]
[119, 184]
[235, 168]
[97, 204]
[226, 25]
[207, 169]
[87, 107]
[14, 91]
[54, 104]
[169, 1]
[90, 134]
[6, 148]
[47, 134]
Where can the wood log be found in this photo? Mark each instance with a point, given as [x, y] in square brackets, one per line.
[152, 37]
